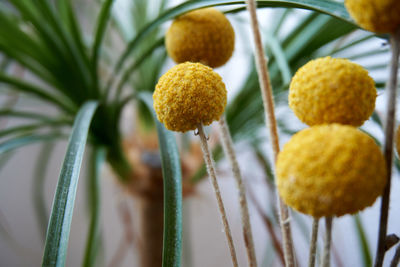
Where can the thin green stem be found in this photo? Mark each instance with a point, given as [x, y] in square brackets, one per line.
[93, 239]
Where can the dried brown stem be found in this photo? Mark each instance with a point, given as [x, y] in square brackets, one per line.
[390, 241]
[388, 146]
[313, 245]
[268, 224]
[326, 257]
[396, 257]
[266, 92]
[227, 145]
[213, 178]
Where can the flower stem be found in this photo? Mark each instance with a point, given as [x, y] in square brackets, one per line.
[213, 177]
[388, 146]
[227, 145]
[313, 245]
[396, 257]
[269, 225]
[326, 257]
[266, 92]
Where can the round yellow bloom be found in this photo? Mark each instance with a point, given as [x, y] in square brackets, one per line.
[330, 170]
[203, 35]
[380, 16]
[332, 90]
[187, 95]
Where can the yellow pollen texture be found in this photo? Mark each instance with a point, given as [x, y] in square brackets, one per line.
[380, 16]
[332, 90]
[189, 94]
[330, 170]
[203, 35]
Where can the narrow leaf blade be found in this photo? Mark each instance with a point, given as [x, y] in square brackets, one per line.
[38, 187]
[328, 7]
[364, 245]
[92, 243]
[100, 29]
[19, 141]
[172, 176]
[61, 215]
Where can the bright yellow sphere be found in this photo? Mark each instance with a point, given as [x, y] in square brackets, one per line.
[187, 95]
[380, 16]
[332, 90]
[330, 170]
[203, 35]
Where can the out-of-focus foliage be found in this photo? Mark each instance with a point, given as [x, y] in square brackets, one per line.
[49, 57]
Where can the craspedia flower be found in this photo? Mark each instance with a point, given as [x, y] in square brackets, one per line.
[381, 16]
[332, 90]
[330, 170]
[187, 95]
[203, 35]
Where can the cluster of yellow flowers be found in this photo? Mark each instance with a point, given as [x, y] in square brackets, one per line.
[330, 169]
[192, 93]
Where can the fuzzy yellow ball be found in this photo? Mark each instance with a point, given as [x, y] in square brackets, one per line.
[380, 16]
[330, 170]
[203, 35]
[332, 90]
[187, 95]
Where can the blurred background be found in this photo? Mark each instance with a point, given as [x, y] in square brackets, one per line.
[292, 37]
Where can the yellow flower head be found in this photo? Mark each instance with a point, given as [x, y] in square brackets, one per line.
[330, 170]
[380, 16]
[332, 90]
[203, 35]
[187, 95]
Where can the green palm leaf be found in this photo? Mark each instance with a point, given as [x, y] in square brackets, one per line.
[172, 176]
[38, 187]
[92, 244]
[61, 216]
[20, 141]
[331, 8]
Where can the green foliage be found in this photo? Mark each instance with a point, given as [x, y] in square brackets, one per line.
[61, 216]
[71, 67]
[172, 191]
[366, 253]
[38, 187]
[93, 240]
